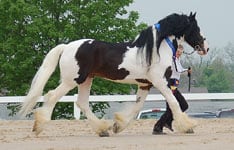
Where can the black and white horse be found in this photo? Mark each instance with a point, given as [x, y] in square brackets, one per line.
[146, 62]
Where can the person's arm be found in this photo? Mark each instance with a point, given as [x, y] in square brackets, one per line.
[179, 67]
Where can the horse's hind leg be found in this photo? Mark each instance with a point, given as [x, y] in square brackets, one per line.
[101, 127]
[122, 119]
[43, 114]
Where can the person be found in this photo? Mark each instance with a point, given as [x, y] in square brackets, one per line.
[177, 69]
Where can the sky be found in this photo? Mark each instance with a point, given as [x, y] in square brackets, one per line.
[215, 17]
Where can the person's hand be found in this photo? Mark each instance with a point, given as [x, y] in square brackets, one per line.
[189, 70]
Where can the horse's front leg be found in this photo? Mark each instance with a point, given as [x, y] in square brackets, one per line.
[102, 126]
[122, 119]
[181, 122]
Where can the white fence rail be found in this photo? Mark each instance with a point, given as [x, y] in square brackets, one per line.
[125, 98]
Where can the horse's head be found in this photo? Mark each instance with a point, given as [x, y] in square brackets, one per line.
[194, 37]
[182, 27]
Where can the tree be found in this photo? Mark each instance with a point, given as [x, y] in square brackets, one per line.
[216, 77]
[214, 71]
[30, 28]
[229, 59]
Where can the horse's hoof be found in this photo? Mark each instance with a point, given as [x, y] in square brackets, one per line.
[37, 128]
[104, 134]
[116, 127]
[183, 123]
[189, 131]
[41, 117]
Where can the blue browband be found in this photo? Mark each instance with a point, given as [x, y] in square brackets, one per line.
[157, 27]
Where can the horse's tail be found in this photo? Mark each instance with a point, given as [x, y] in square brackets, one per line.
[43, 74]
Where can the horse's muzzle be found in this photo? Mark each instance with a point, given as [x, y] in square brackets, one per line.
[201, 50]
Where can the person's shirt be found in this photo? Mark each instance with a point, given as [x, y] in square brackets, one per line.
[177, 69]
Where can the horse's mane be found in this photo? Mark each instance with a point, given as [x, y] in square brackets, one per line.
[145, 39]
[174, 24]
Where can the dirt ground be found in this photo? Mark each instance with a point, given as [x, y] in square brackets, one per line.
[210, 134]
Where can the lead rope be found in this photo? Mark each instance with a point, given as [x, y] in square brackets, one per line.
[186, 53]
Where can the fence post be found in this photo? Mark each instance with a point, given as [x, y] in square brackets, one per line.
[76, 111]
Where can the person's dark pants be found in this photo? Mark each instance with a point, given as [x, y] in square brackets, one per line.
[167, 118]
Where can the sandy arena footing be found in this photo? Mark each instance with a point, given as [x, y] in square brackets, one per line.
[212, 134]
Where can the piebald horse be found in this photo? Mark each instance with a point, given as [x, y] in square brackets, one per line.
[145, 61]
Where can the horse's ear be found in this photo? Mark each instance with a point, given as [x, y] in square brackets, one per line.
[192, 16]
[191, 13]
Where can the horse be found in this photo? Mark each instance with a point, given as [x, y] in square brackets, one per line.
[146, 61]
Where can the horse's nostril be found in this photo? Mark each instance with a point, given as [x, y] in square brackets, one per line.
[208, 49]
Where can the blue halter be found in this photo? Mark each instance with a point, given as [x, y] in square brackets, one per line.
[157, 26]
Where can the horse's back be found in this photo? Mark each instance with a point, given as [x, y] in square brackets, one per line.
[88, 58]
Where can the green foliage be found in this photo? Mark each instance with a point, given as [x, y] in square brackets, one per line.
[30, 28]
[215, 71]
[101, 86]
[63, 111]
[216, 77]
[99, 108]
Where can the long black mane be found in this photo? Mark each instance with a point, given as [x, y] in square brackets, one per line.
[174, 24]
[145, 39]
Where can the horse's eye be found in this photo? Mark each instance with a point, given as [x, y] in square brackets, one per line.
[204, 39]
